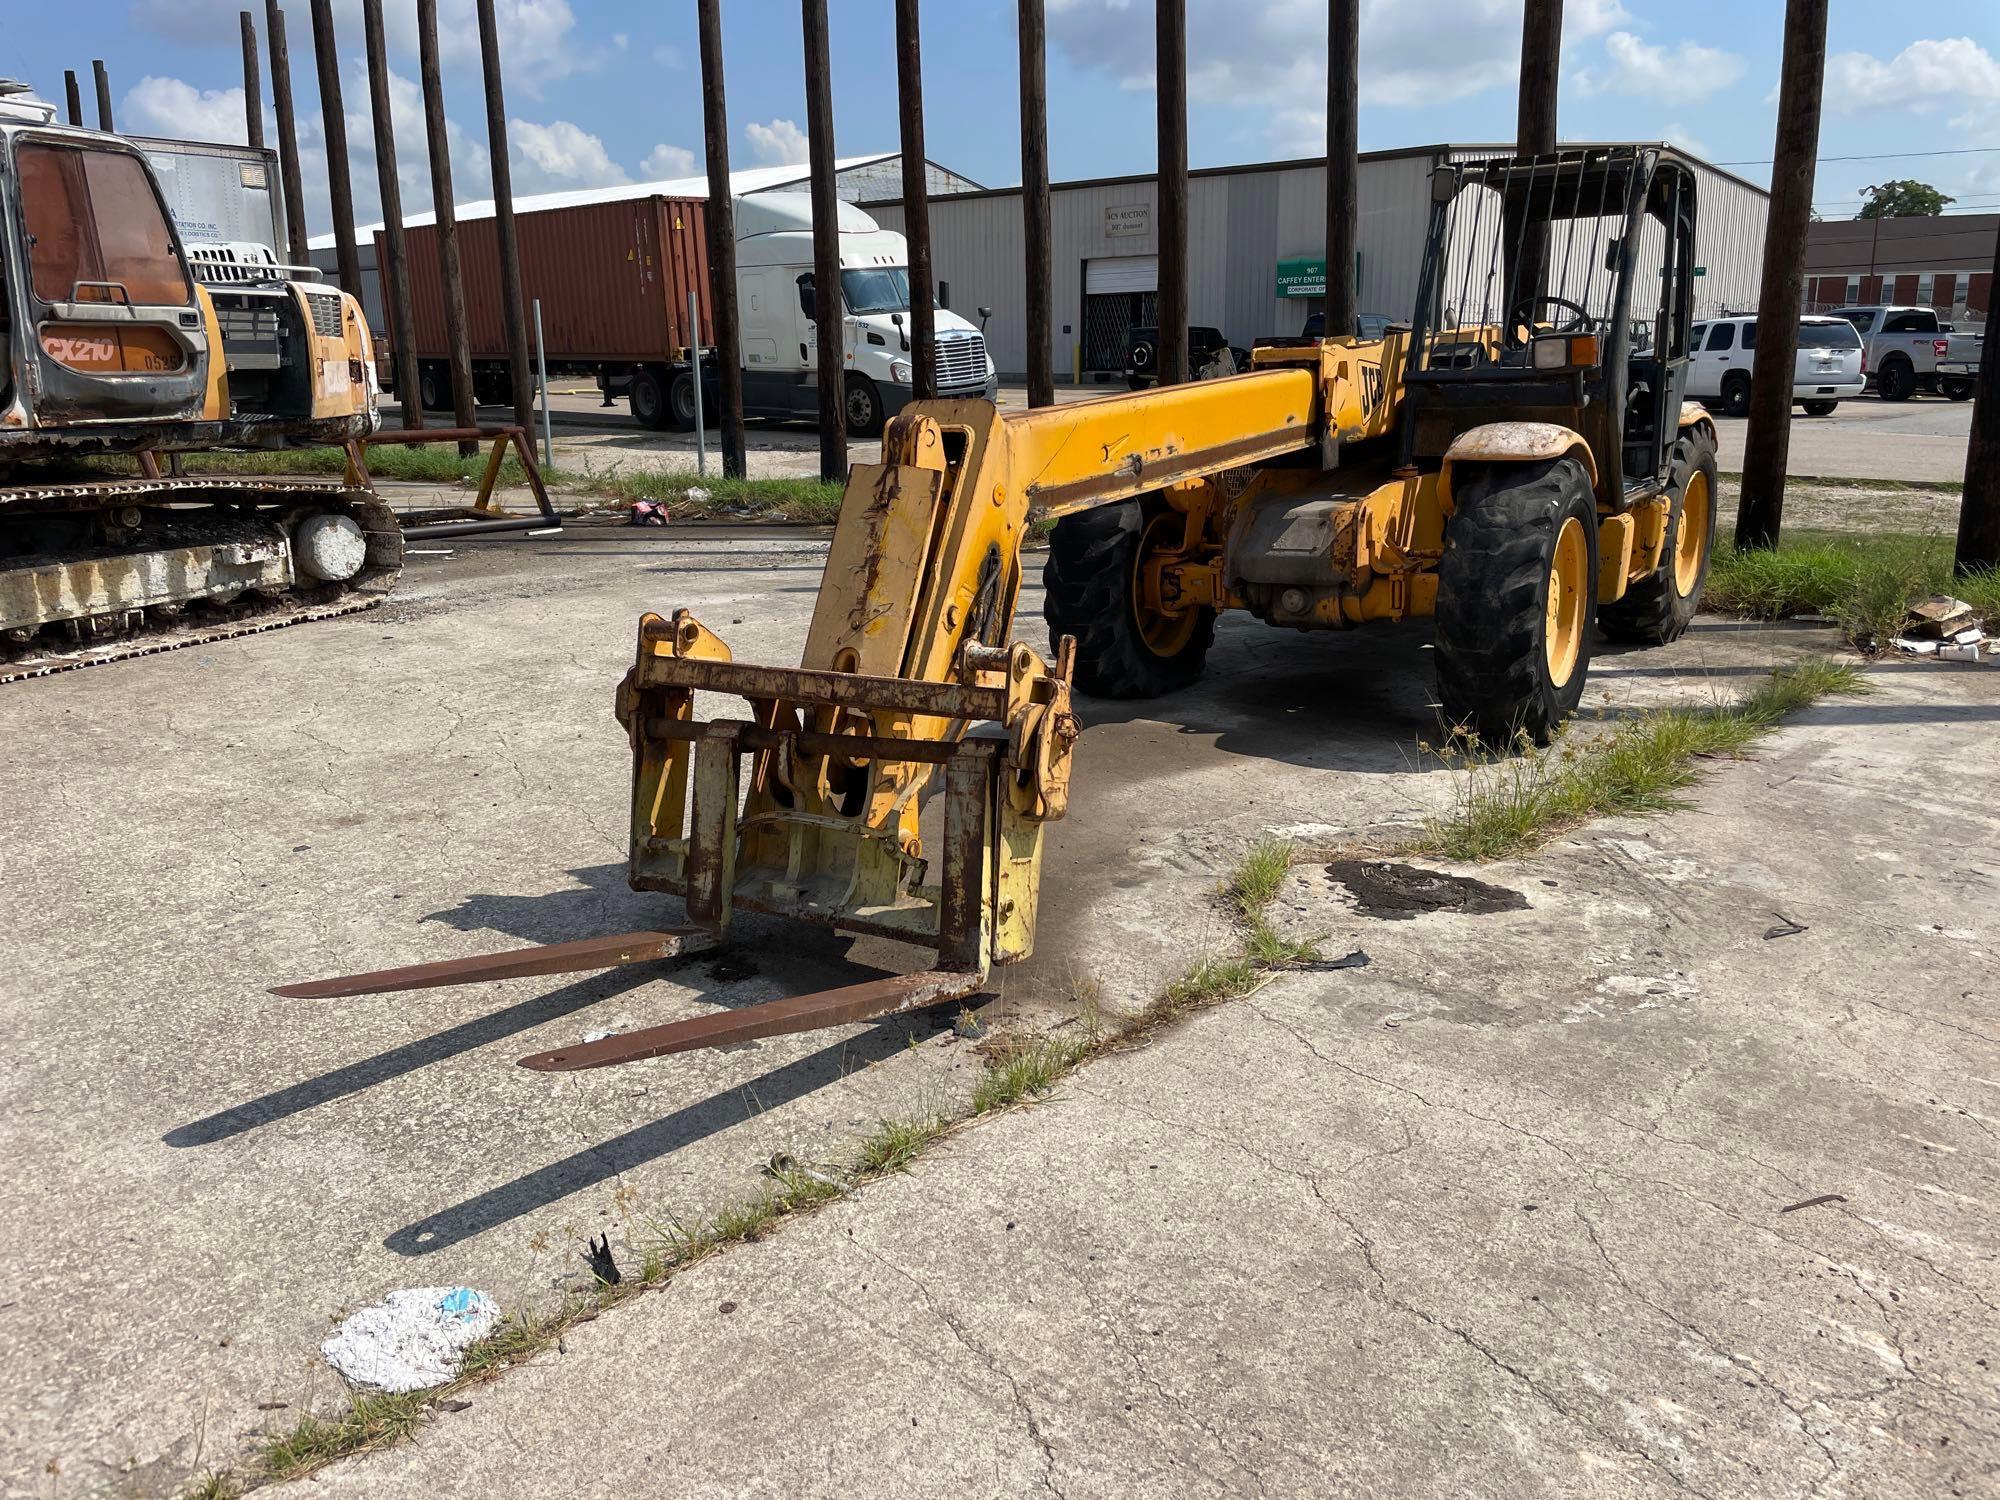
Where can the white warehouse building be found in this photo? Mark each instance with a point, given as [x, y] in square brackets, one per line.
[1256, 241]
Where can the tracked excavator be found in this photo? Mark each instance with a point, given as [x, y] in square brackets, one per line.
[117, 338]
[1515, 465]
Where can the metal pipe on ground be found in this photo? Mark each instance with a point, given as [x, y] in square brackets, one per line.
[1760, 504]
[458, 349]
[826, 245]
[396, 279]
[1170, 72]
[1035, 203]
[103, 93]
[73, 96]
[333, 121]
[1979, 508]
[1343, 169]
[253, 83]
[721, 241]
[513, 308]
[916, 202]
[288, 132]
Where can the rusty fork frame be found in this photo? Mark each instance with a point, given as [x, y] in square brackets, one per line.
[482, 516]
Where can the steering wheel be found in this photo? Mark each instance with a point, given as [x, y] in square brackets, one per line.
[1523, 316]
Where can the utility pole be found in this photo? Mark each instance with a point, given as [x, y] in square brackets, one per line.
[916, 203]
[1760, 504]
[333, 121]
[1979, 510]
[73, 96]
[1541, 66]
[513, 304]
[103, 94]
[1343, 167]
[1035, 203]
[288, 132]
[827, 301]
[396, 281]
[721, 241]
[253, 82]
[1170, 23]
[465, 412]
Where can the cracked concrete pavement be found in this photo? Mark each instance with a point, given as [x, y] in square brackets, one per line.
[205, 1177]
[1536, 1204]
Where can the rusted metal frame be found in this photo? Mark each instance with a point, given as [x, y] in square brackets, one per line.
[711, 850]
[946, 700]
[962, 939]
[404, 436]
[850, 746]
[515, 963]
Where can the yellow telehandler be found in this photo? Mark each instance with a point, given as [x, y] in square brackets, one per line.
[1516, 464]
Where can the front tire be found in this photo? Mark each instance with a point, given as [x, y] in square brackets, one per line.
[1517, 596]
[1736, 395]
[1820, 408]
[1897, 380]
[648, 397]
[863, 407]
[1092, 592]
[1659, 607]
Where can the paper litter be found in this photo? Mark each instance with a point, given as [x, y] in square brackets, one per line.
[411, 1339]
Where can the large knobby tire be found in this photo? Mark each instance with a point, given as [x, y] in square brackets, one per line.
[1091, 591]
[1896, 380]
[648, 398]
[1657, 608]
[1736, 394]
[1517, 595]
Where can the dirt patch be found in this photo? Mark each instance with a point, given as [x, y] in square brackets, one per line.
[1396, 892]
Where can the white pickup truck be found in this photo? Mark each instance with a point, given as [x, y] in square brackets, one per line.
[1901, 348]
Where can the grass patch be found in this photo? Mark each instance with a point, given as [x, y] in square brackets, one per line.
[895, 1144]
[1865, 583]
[1027, 1068]
[1509, 805]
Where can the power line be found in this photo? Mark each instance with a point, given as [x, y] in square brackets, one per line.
[1879, 156]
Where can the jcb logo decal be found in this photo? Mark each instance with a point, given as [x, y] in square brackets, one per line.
[1371, 387]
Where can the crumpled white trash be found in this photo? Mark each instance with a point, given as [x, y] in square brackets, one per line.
[411, 1339]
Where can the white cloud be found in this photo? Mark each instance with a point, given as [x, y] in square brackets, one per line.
[1677, 134]
[1923, 76]
[177, 109]
[777, 143]
[1636, 66]
[665, 161]
[560, 155]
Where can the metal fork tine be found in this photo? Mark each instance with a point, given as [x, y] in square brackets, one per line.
[854, 1002]
[515, 963]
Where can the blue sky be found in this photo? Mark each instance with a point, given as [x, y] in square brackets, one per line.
[608, 90]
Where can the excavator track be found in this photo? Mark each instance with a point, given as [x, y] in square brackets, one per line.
[180, 511]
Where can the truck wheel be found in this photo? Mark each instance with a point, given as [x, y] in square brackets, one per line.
[1820, 408]
[1657, 608]
[1736, 394]
[1092, 592]
[430, 388]
[864, 407]
[1897, 379]
[1958, 390]
[1516, 602]
[680, 401]
[648, 396]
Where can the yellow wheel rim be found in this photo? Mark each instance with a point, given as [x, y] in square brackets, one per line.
[1164, 634]
[1562, 634]
[1691, 541]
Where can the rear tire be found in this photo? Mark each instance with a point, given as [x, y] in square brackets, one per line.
[1658, 608]
[1736, 394]
[430, 388]
[1509, 661]
[1897, 380]
[1820, 408]
[1958, 390]
[648, 398]
[1091, 584]
[680, 401]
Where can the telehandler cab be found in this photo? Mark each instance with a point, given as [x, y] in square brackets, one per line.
[1516, 463]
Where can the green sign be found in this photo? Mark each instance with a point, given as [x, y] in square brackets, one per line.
[1300, 276]
[1701, 270]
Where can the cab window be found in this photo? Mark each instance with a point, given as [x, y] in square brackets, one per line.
[1911, 322]
[1722, 336]
[92, 215]
[1749, 335]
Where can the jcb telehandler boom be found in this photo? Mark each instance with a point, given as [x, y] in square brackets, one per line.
[1522, 478]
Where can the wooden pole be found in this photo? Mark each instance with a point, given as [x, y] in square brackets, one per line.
[333, 122]
[721, 241]
[288, 132]
[1979, 510]
[827, 302]
[103, 94]
[253, 82]
[916, 203]
[1035, 203]
[1343, 166]
[1760, 504]
[73, 95]
[465, 411]
[1170, 22]
[513, 302]
[1541, 65]
[396, 273]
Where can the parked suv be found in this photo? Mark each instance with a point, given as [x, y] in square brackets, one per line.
[1902, 347]
[1722, 352]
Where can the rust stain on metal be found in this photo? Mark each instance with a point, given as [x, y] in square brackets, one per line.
[516, 963]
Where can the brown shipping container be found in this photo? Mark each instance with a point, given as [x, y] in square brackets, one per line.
[613, 277]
